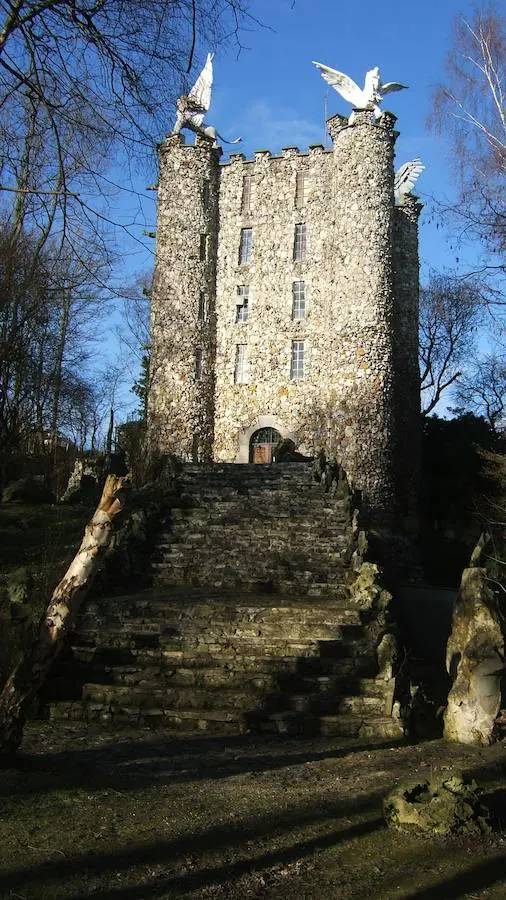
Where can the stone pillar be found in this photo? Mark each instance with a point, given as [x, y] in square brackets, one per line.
[362, 302]
[407, 372]
[183, 309]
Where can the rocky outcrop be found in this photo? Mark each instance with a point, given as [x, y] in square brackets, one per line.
[85, 479]
[28, 490]
[446, 804]
[475, 656]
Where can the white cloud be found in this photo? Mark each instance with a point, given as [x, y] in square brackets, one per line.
[266, 127]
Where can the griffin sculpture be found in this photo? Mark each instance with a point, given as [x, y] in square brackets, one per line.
[405, 178]
[368, 97]
[192, 107]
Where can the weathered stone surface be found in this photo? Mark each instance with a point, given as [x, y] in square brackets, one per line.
[360, 273]
[474, 658]
[445, 804]
[258, 528]
[19, 587]
[85, 480]
[181, 400]
[300, 658]
[406, 385]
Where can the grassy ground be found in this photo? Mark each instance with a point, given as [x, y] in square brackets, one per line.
[137, 816]
[43, 538]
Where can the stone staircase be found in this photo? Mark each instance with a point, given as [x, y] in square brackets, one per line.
[257, 528]
[250, 623]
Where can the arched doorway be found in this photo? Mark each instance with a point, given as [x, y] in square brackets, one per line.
[262, 443]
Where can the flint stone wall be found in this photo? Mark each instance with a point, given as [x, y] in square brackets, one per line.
[355, 288]
[406, 316]
[181, 404]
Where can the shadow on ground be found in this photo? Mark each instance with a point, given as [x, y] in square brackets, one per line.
[85, 814]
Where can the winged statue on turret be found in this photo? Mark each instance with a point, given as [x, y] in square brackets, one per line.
[368, 97]
[191, 108]
[405, 178]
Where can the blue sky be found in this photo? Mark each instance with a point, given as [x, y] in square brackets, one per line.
[271, 95]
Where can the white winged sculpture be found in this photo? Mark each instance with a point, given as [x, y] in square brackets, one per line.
[192, 107]
[368, 97]
[405, 178]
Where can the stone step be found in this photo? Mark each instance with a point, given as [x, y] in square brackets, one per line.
[306, 516]
[139, 633]
[327, 538]
[176, 624]
[186, 698]
[245, 474]
[228, 720]
[304, 674]
[204, 506]
[331, 565]
[360, 726]
[222, 721]
[302, 723]
[191, 629]
[165, 615]
[142, 648]
[315, 549]
[328, 702]
[183, 599]
[210, 697]
[330, 589]
[317, 689]
[271, 564]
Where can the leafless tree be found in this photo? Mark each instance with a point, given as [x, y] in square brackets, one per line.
[450, 312]
[80, 82]
[50, 307]
[470, 109]
[482, 389]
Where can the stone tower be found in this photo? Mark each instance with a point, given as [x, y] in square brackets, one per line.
[183, 324]
[285, 303]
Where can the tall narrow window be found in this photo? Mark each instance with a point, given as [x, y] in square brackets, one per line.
[300, 190]
[300, 242]
[242, 308]
[241, 364]
[206, 193]
[298, 300]
[199, 363]
[246, 245]
[202, 310]
[297, 366]
[203, 247]
[246, 194]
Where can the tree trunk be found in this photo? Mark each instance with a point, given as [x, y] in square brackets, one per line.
[29, 674]
[58, 365]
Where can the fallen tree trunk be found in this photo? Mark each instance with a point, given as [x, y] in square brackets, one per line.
[29, 674]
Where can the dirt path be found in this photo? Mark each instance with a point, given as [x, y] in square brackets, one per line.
[134, 815]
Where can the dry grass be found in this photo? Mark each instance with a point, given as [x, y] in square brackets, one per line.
[134, 816]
